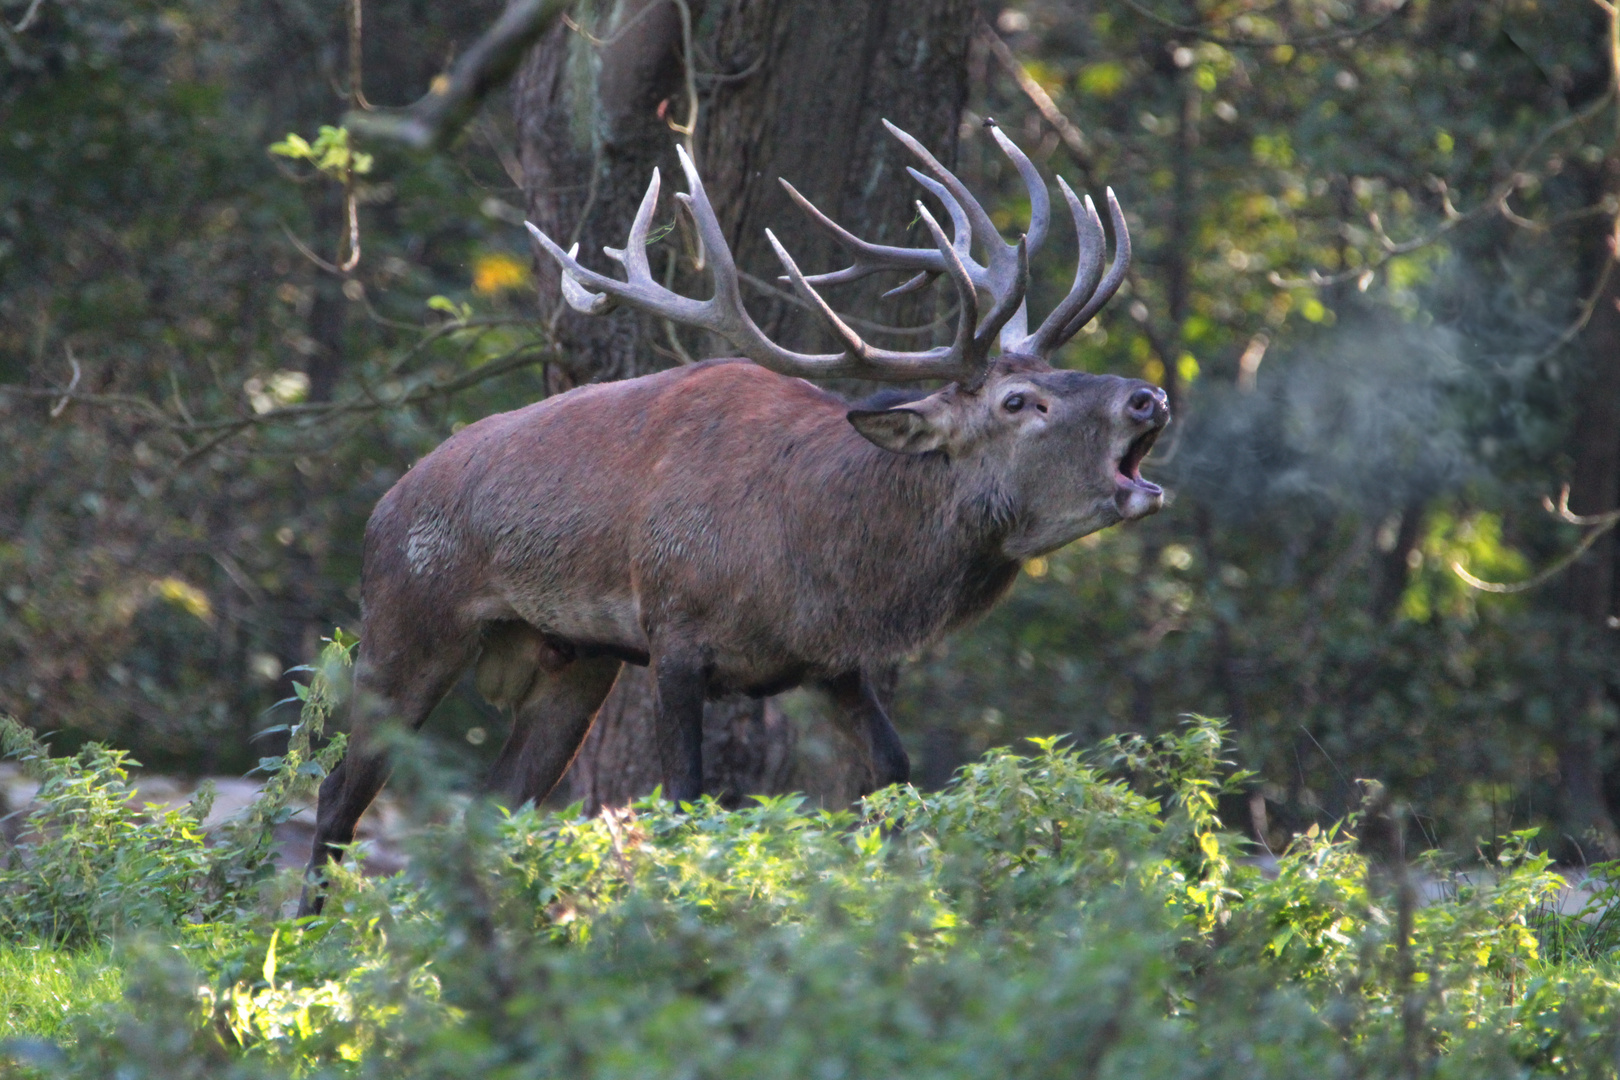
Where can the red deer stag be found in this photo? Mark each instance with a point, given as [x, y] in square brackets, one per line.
[733, 526]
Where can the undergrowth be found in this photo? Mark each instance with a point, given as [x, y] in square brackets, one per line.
[1049, 913]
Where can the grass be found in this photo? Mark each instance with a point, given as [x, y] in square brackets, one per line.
[43, 988]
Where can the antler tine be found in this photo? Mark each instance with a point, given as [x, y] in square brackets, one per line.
[961, 227]
[965, 360]
[869, 258]
[969, 222]
[960, 360]
[984, 230]
[1001, 258]
[579, 297]
[640, 291]
[1116, 270]
[1040, 204]
[961, 240]
[1087, 272]
[723, 267]
[875, 258]
[853, 345]
[633, 256]
[1007, 305]
[967, 320]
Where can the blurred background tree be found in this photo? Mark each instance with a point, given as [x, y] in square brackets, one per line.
[1374, 269]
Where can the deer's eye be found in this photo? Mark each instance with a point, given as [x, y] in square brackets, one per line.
[1013, 403]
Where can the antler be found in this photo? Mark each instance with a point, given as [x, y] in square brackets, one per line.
[1004, 275]
[1000, 270]
[964, 360]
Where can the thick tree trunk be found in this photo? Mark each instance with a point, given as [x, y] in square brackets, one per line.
[786, 89]
[1590, 585]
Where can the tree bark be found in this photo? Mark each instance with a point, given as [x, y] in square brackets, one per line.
[785, 89]
[1589, 588]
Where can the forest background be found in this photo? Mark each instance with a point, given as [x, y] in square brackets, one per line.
[1375, 249]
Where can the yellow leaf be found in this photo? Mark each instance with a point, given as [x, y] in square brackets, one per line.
[498, 272]
[270, 959]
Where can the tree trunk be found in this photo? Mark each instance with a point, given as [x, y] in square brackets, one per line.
[786, 89]
[1589, 594]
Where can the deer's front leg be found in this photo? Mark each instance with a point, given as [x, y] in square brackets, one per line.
[682, 683]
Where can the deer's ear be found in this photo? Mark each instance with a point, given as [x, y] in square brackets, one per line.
[903, 430]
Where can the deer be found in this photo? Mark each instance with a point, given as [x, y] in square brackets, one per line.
[730, 524]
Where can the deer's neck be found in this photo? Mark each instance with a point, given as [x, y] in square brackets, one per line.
[933, 532]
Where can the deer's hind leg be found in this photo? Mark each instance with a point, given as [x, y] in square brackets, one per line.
[555, 697]
[860, 712]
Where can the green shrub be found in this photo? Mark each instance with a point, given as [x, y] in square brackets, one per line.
[1050, 914]
[86, 864]
[89, 864]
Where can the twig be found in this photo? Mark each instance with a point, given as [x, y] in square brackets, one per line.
[357, 102]
[1588, 306]
[1267, 43]
[112, 401]
[436, 119]
[1597, 523]
[304, 250]
[67, 395]
[1073, 140]
[1453, 218]
[234, 571]
[1564, 513]
[220, 431]
[28, 17]
[16, 55]
[357, 96]
[348, 265]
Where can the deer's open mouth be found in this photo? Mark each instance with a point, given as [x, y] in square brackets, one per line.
[1128, 470]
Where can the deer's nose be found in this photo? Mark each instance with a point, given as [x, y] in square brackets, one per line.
[1147, 404]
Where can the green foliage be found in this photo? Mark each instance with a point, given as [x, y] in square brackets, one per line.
[89, 864]
[146, 234]
[329, 154]
[1048, 914]
[245, 858]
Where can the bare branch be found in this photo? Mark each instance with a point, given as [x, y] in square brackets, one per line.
[215, 432]
[1542, 578]
[28, 17]
[438, 117]
[1564, 513]
[1598, 524]
[67, 396]
[1073, 140]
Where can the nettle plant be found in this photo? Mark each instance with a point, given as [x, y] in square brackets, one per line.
[89, 863]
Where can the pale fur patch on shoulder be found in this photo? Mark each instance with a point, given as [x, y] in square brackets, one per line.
[430, 544]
